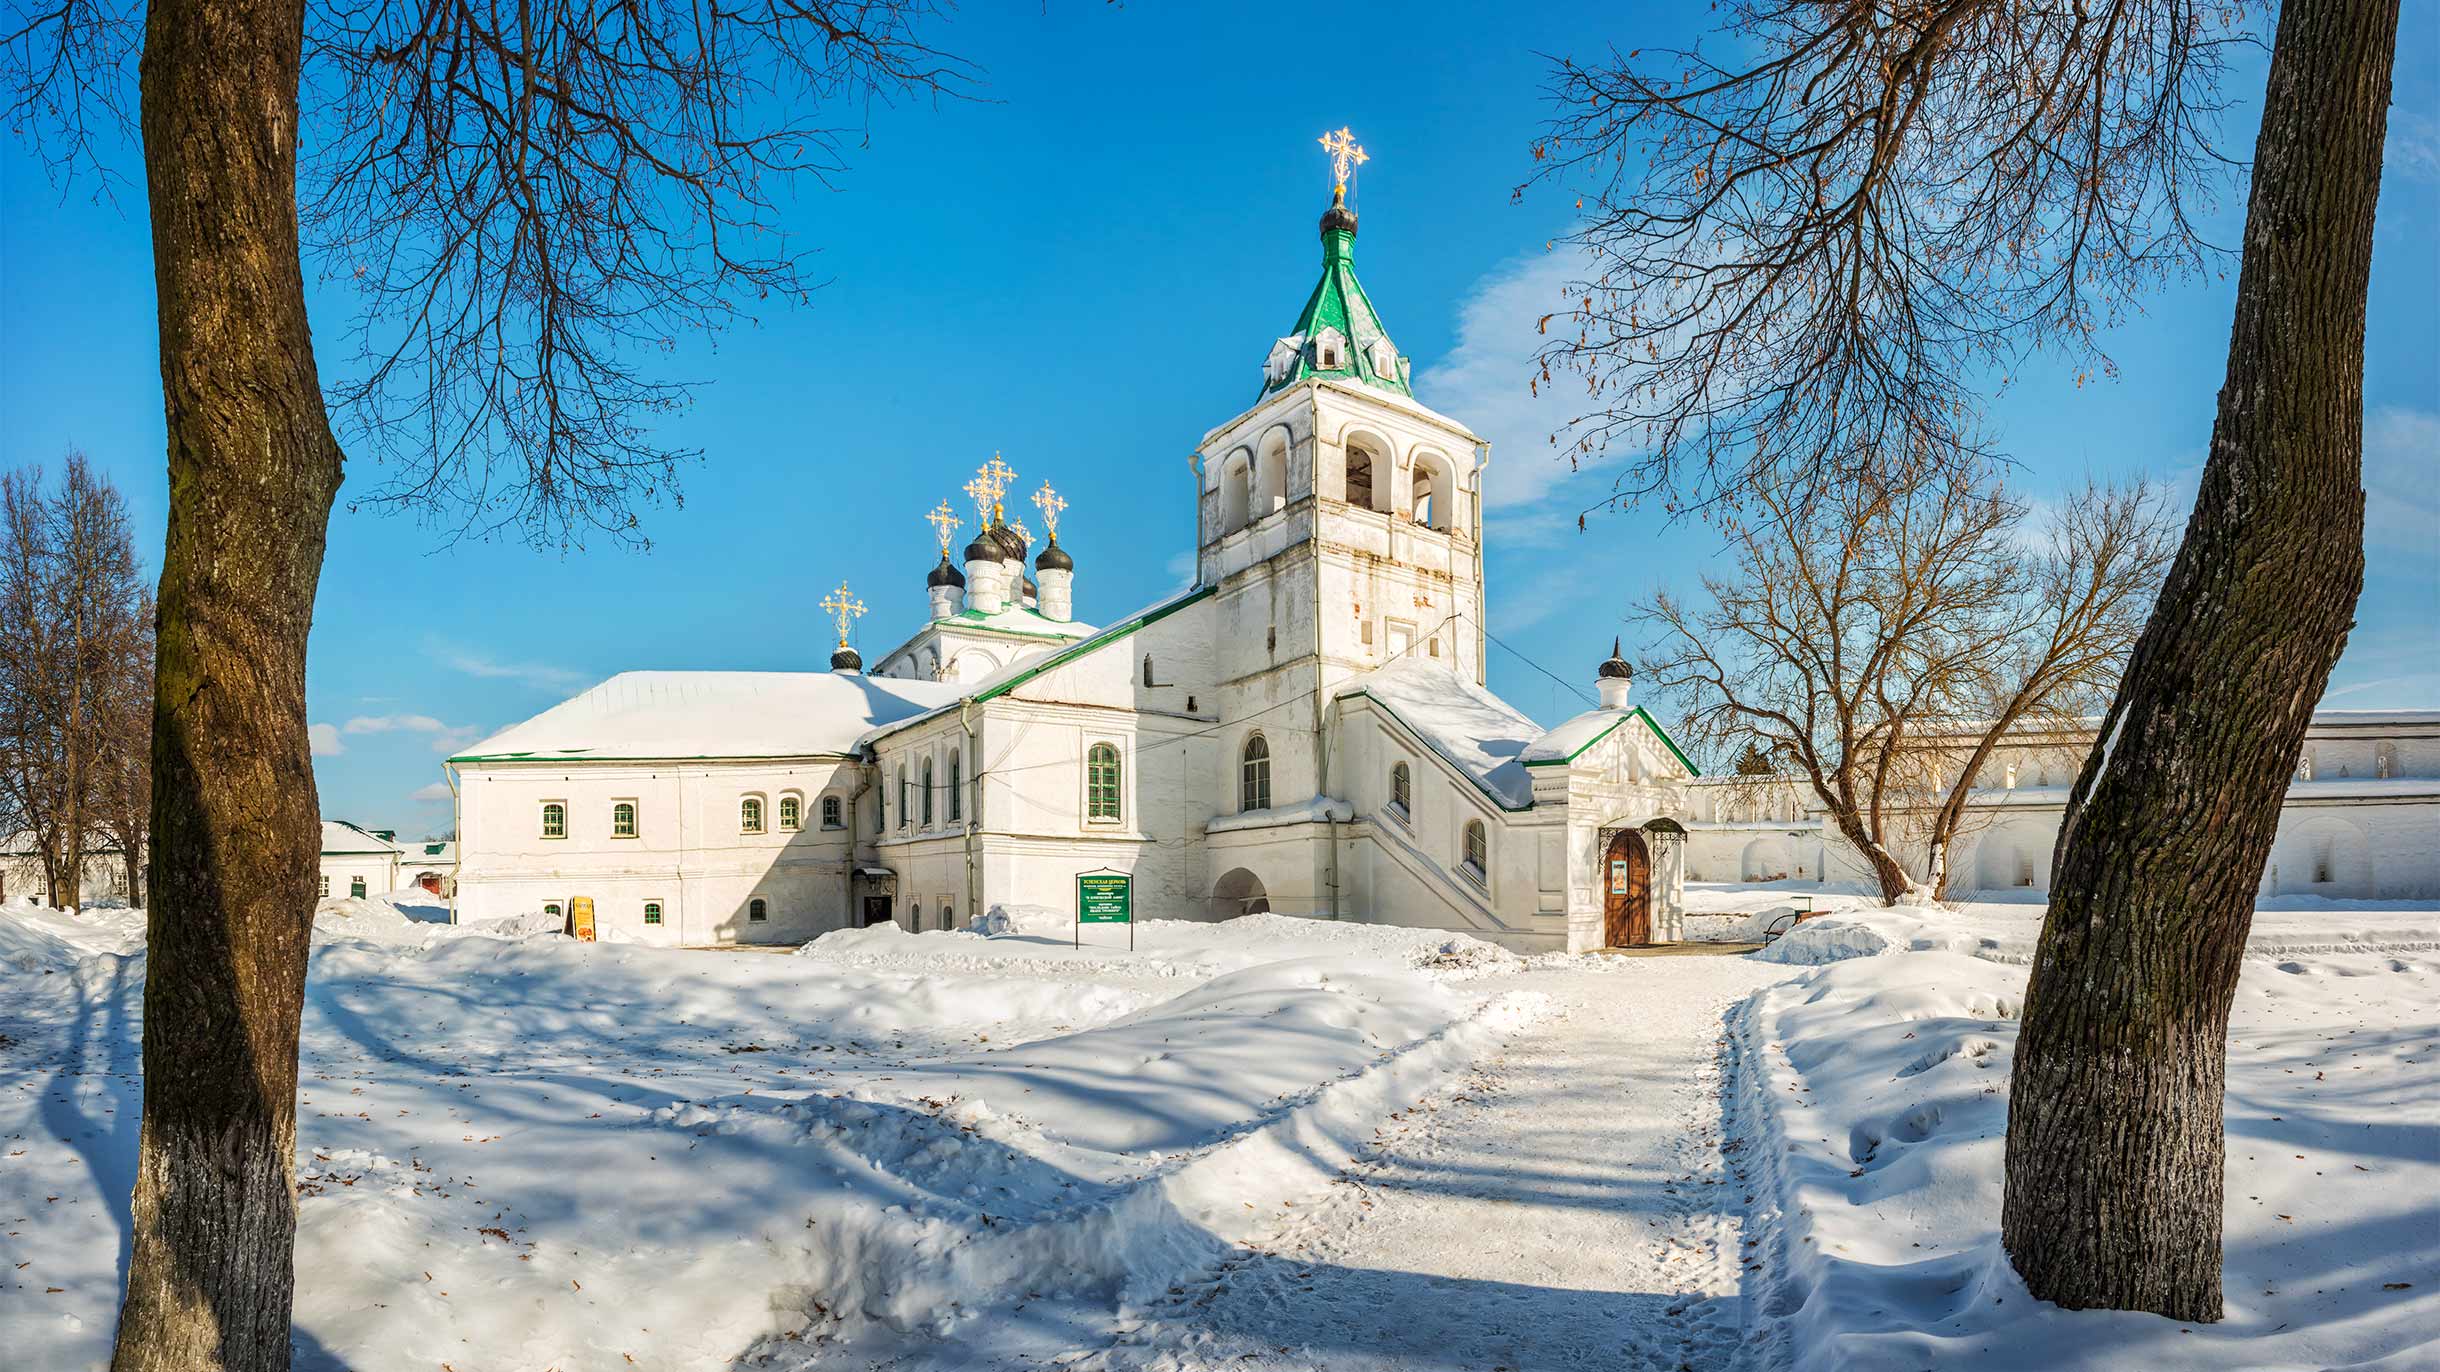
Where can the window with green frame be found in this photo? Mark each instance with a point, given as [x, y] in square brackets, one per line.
[554, 820]
[355, 887]
[622, 819]
[1101, 781]
[652, 912]
[791, 812]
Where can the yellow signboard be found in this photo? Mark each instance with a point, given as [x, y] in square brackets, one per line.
[580, 910]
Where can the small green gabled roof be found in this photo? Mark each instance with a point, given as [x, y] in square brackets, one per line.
[1338, 303]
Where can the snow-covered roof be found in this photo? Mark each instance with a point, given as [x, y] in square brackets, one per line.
[1473, 730]
[339, 836]
[658, 715]
[1018, 619]
[1017, 673]
[1574, 736]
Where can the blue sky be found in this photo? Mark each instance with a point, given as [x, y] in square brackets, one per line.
[1083, 270]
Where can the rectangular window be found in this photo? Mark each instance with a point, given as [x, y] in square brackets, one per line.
[652, 912]
[957, 787]
[326, 886]
[1401, 637]
[830, 812]
[355, 887]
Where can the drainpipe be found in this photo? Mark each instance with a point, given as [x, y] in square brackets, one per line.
[1482, 596]
[1321, 741]
[973, 813]
[457, 826]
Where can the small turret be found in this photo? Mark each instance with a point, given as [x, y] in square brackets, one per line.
[846, 659]
[984, 592]
[1055, 575]
[1614, 677]
[945, 586]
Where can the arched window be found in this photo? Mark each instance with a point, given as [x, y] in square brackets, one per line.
[622, 819]
[1425, 498]
[554, 820]
[830, 813]
[1478, 850]
[652, 912]
[957, 787]
[906, 813]
[750, 815]
[1101, 778]
[915, 914]
[2304, 766]
[927, 793]
[1254, 775]
[1401, 789]
[1271, 474]
[756, 911]
[791, 812]
[1148, 681]
[1236, 494]
[1360, 474]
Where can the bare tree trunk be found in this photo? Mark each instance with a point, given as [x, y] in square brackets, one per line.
[252, 472]
[2114, 1161]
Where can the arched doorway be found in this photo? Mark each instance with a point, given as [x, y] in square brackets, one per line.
[1626, 910]
[1239, 893]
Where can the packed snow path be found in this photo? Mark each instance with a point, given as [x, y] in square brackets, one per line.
[1568, 1206]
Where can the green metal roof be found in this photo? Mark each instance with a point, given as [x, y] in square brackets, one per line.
[1338, 302]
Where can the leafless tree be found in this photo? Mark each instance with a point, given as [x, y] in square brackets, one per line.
[1879, 646]
[1810, 261]
[70, 607]
[540, 203]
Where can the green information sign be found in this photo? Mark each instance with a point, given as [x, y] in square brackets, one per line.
[1104, 899]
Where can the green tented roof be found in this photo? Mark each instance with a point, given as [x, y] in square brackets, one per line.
[1338, 302]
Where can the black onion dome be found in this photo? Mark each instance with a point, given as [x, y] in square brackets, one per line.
[1338, 216]
[1616, 668]
[982, 549]
[946, 574]
[1054, 559]
[1011, 543]
[846, 660]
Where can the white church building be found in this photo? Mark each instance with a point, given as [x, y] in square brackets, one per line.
[1305, 730]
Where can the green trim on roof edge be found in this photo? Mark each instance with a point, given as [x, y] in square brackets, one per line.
[1659, 732]
[1339, 302]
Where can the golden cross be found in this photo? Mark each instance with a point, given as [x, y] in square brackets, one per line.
[1017, 527]
[1345, 155]
[1050, 504]
[979, 491]
[999, 474]
[844, 608]
[945, 524]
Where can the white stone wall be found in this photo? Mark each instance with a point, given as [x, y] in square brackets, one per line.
[340, 872]
[690, 854]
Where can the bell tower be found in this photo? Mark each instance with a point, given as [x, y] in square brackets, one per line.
[1337, 518]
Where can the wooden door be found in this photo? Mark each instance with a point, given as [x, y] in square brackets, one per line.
[1626, 914]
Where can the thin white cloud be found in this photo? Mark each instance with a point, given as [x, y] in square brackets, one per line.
[436, 793]
[540, 675]
[325, 738]
[382, 724]
[2401, 480]
[454, 738]
[1530, 491]
[2414, 145]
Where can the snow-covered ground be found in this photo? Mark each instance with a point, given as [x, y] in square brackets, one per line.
[1268, 1143]
[1876, 1112]
[529, 1152]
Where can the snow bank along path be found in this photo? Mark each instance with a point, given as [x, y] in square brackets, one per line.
[527, 1152]
[1566, 1208]
[1876, 1099]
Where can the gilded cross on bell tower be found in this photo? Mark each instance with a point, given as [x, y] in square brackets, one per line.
[844, 608]
[1345, 156]
[1050, 503]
